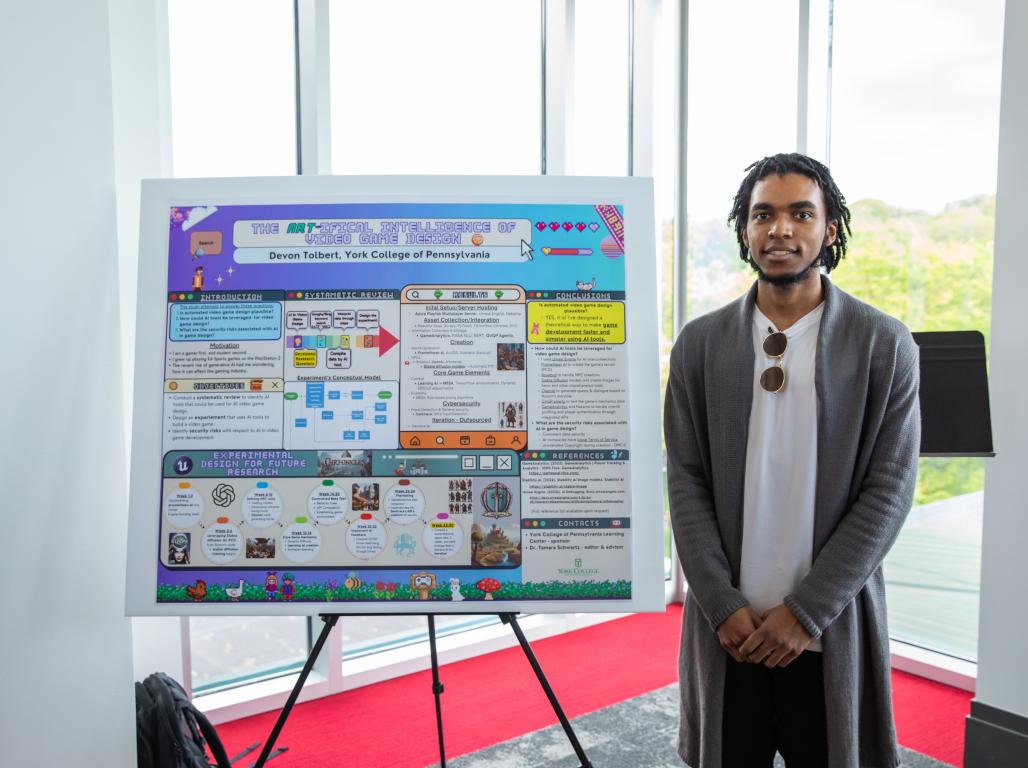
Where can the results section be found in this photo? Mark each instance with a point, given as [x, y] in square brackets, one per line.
[463, 373]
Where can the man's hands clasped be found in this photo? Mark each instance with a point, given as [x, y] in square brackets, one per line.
[736, 630]
[773, 639]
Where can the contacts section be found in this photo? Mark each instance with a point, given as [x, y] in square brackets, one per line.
[223, 370]
[463, 373]
[577, 517]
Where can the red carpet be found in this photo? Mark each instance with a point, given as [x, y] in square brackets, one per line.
[496, 697]
[930, 716]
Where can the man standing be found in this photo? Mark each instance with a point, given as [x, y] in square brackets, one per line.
[792, 430]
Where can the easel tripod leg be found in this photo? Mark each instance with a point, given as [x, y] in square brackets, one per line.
[330, 621]
[510, 618]
[437, 689]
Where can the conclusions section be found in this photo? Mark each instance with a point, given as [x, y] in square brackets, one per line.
[578, 371]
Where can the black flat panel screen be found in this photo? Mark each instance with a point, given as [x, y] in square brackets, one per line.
[954, 394]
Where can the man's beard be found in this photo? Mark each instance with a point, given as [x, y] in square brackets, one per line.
[784, 281]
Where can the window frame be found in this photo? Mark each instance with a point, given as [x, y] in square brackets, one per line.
[313, 153]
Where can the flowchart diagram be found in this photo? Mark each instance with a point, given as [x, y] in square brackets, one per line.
[321, 414]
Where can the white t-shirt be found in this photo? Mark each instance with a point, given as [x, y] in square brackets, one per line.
[781, 469]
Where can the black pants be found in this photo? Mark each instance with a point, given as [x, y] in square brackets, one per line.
[768, 710]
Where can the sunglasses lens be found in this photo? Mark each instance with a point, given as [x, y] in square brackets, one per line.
[774, 345]
[773, 379]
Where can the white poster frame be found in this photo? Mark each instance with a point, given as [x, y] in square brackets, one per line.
[635, 194]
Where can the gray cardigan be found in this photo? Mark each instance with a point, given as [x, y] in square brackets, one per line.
[866, 378]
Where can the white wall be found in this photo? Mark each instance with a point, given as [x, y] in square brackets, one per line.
[1002, 663]
[65, 645]
[142, 140]
[142, 150]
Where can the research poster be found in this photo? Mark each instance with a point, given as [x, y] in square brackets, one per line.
[370, 404]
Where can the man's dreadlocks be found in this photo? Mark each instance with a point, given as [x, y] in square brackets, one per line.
[835, 202]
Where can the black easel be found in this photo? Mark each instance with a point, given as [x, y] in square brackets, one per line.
[330, 620]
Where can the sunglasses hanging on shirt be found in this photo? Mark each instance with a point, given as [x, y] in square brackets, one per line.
[773, 378]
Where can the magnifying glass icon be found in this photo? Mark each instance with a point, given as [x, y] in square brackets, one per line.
[415, 295]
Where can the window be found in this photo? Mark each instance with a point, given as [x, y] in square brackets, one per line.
[463, 99]
[904, 108]
[234, 114]
[915, 124]
[729, 127]
[599, 122]
[365, 635]
[912, 141]
[665, 162]
[232, 651]
[742, 107]
[233, 94]
[454, 88]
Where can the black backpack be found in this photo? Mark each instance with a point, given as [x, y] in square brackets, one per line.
[172, 733]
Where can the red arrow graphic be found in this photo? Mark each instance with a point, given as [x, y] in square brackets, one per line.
[386, 341]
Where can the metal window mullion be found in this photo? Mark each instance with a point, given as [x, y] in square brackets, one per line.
[542, 87]
[813, 83]
[679, 276]
[681, 192]
[828, 97]
[642, 49]
[313, 96]
[333, 655]
[558, 49]
[314, 157]
[185, 638]
[631, 87]
[802, 76]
